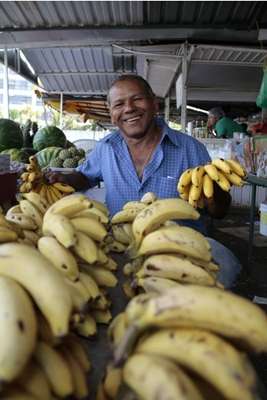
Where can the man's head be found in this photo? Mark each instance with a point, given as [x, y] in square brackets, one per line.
[132, 105]
[215, 114]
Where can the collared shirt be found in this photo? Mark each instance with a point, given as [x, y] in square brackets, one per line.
[111, 162]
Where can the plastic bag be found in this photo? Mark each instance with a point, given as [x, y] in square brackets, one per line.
[261, 100]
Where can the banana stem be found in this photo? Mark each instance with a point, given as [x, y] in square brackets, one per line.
[125, 347]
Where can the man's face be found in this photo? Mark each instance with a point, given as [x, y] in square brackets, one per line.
[132, 110]
[211, 121]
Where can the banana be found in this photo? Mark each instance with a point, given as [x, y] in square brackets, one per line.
[61, 228]
[176, 239]
[156, 285]
[208, 186]
[78, 351]
[134, 204]
[70, 205]
[128, 289]
[120, 235]
[34, 381]
[90, 285]
[102, 258]
[30, 235]
[63, 187]
[24, 221]
[176, 268]
[117, 328]
[94, 212]
[102, 316]
[185, 179]
[159, 212]
[14, 210]
[45, 284]
[112, 381]
[204, 353]
[222, 165]
[49, 195]
[102, 276]
[44, 331]
[127, 227]
[85, 248]
[18, 329]
[16, 393]
[37, 201]
[223, 182]
[148, 198]
[53, 194]
[57, 194]
[79, 295]
[56, 369]
[111, 265]
[100, 206]
[212, 171]
[236, 168]
[91, 227]
[78, 375]
[194, 194]
[59, 256]
[201, 307]
[234, 179]
[184, 192]
[126, 215]
[87, 327]
[31, 211]
[24, 176]
[151, 377]
[115, 246]
[7, 235]
[197, 175]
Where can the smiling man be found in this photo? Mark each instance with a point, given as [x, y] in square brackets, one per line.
[143, 155]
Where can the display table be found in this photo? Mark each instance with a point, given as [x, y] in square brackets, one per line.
[254, 181]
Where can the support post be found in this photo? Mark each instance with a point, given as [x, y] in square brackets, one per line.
[167, 109]
[5, 87]
[184, 88]
[61, 111]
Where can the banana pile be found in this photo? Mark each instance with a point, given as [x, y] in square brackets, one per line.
[34, 180]
[196, 184]
[187, 342]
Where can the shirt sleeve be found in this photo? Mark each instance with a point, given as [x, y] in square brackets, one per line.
[220, 129]
[91, 167]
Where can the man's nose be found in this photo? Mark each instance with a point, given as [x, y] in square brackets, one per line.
[129, 105]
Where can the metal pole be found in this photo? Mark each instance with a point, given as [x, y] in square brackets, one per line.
[61, 111]
[167, 109]
[184, 89]
[5, 87]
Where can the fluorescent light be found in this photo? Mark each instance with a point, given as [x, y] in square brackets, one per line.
[22, 55]
[197, 109]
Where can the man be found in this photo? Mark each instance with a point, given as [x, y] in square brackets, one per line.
[223, 126]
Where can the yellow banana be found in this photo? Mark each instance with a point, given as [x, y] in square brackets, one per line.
[87, 327]
[59, 256]
[31, 211]
[7, 235]
[91, 227]
[90, 285]
[134, 204]
[148, 198]
[110, 264]
[50, 196]
[24, 221]
[223, 182]
[102, 316]
[85, 248]
[102, 258]
[222, 165]
[37, 200]
[34, 381]
[63, 187]
[56, 369]
[212, 171]
[55, 193]
[236, 167]
[70, 205]
[159, 212]
[197, 175]
[149, 376]
[117, 328]
[61, 228]
[234, 179]
[184, 192]
[120, 235]
[207, 186]
[185, 178]
[194, 193]
[176, 239]
[204, 353]
[79, 295]
[102, 276]
[100, 206]
[155, 285]
[18, 329]
[45, 284]
[31, 235]
[25, 176]
[14, 210]
[94, 212]
[78, 351]
[115, 246]
[127, 215]
[112, 381]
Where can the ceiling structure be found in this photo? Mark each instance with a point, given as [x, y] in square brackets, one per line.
[79, 47]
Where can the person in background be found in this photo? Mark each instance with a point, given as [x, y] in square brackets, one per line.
[223, 126]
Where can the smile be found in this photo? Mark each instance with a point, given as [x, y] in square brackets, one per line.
[132, 120]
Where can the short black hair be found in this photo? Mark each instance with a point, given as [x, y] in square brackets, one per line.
[131, 77]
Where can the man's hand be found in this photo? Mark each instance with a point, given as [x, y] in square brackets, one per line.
[75, 179]
[53, 177]
[218, 205]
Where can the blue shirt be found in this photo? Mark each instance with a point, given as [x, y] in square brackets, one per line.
[111, 162]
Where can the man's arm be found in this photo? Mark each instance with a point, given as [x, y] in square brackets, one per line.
[75, 179]
[218, 205]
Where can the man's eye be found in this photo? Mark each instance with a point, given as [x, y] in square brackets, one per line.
[117, 105]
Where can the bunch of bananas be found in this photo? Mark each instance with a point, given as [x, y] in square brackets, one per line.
[195, 349]
[34, 180]
[196, 184]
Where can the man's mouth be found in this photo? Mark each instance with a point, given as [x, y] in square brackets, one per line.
[132, 120]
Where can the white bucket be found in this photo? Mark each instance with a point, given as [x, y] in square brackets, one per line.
[263, 219]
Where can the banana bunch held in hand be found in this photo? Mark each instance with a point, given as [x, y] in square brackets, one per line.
[34, 180]
[196, 184]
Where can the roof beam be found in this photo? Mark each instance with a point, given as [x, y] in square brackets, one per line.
[69, 73]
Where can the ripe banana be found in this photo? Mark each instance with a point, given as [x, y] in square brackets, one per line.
[185, 179]
[24, 221]
[94, 212]
[201, 307]
[115, 246]
[234, 179]
[63, 187]
[79, 295]
[34, 381]
[112, 381]
[61, 228]
[78, 351]
[91, 227]
[204, 353]
[151, 376]
[90, 285]
[176, 239]
[159, 212]
[153, 284]
[207, 186]
[236, 168]
[197, 175]
[148, 198]
[59, 256]
[119, 234]
[45, 284]
[14, 210]
[31, 211]
[87, 327]
[223, 182]
[194, 193]
[117, 328]
[70, 205]
[222, 165]
[102, 276]
[56, 369]
[110, 264]
[100, 206]
[7, 235]
[184, 192]
[176, 268]
[30, 235]
[37, 201]
[18, 329]
[127, 215]
[102, 316]
[134, 204]
[85, 248]
[212, 171]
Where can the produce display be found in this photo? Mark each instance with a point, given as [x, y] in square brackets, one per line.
[197, 183]
[49, 136]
